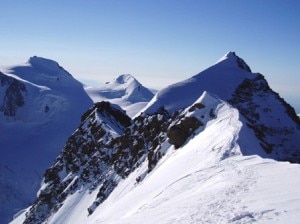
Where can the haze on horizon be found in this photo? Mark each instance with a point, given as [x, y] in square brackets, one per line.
[159, 42]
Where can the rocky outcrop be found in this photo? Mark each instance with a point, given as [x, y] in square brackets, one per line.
[13, 98]
[254, 99]
[180, 132]
[106, 148]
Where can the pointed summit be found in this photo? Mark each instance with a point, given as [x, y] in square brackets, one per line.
[124, 87]
[231, 59]
[228, 55]
[221, 79]
[124, 78]
[125, 90]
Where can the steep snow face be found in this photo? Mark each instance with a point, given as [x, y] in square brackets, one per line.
[273, 121]
[232, 60]
[40, 107]
[220, 79]
[206, 180]
[125, 91]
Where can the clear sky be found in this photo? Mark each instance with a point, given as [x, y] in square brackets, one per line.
[158, 41]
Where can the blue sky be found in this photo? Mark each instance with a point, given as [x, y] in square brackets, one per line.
[159, 42]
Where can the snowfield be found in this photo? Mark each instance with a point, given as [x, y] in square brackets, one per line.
[209, 149]
[208, 180]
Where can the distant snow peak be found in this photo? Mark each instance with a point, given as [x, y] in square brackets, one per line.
[45, 64]
[124, 78]
[231, 59]
[40, 106]
[125, 90]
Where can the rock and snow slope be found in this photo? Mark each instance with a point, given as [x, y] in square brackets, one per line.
[207, 180]
[230, 79]
[191, 157]
[125, 91]
[220, 79]
[40, 106]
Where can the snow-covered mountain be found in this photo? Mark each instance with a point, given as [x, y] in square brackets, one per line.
[199, 152]
[125, 91]
[231, 79]
[40, 107]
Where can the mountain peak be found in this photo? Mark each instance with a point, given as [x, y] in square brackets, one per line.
[124, 78]
[45, 64]
[231, 59]
[230, 54]
[40, 61]
[126, 86]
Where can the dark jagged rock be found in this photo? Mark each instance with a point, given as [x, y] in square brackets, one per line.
[13, 96]
[248, 99]
[242, 64]
[180, 132]
[94, 158]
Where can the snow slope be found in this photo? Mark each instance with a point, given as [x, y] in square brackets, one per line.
[40, 106]
[207, 180]
[124, 91]
[220, 79]
[230, 79]
[191, 156]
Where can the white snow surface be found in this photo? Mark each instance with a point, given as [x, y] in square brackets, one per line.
[220, 79]
[29, 142]
[207, 180]
[125, 91]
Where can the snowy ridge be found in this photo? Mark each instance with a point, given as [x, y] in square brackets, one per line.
[197, 184]
[215, 80]
[198, 153]
[230, 79]
[232, 60]
[125, 91]
[206, 180]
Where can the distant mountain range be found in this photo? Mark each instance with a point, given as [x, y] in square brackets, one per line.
[219, 147]
[204, 150]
